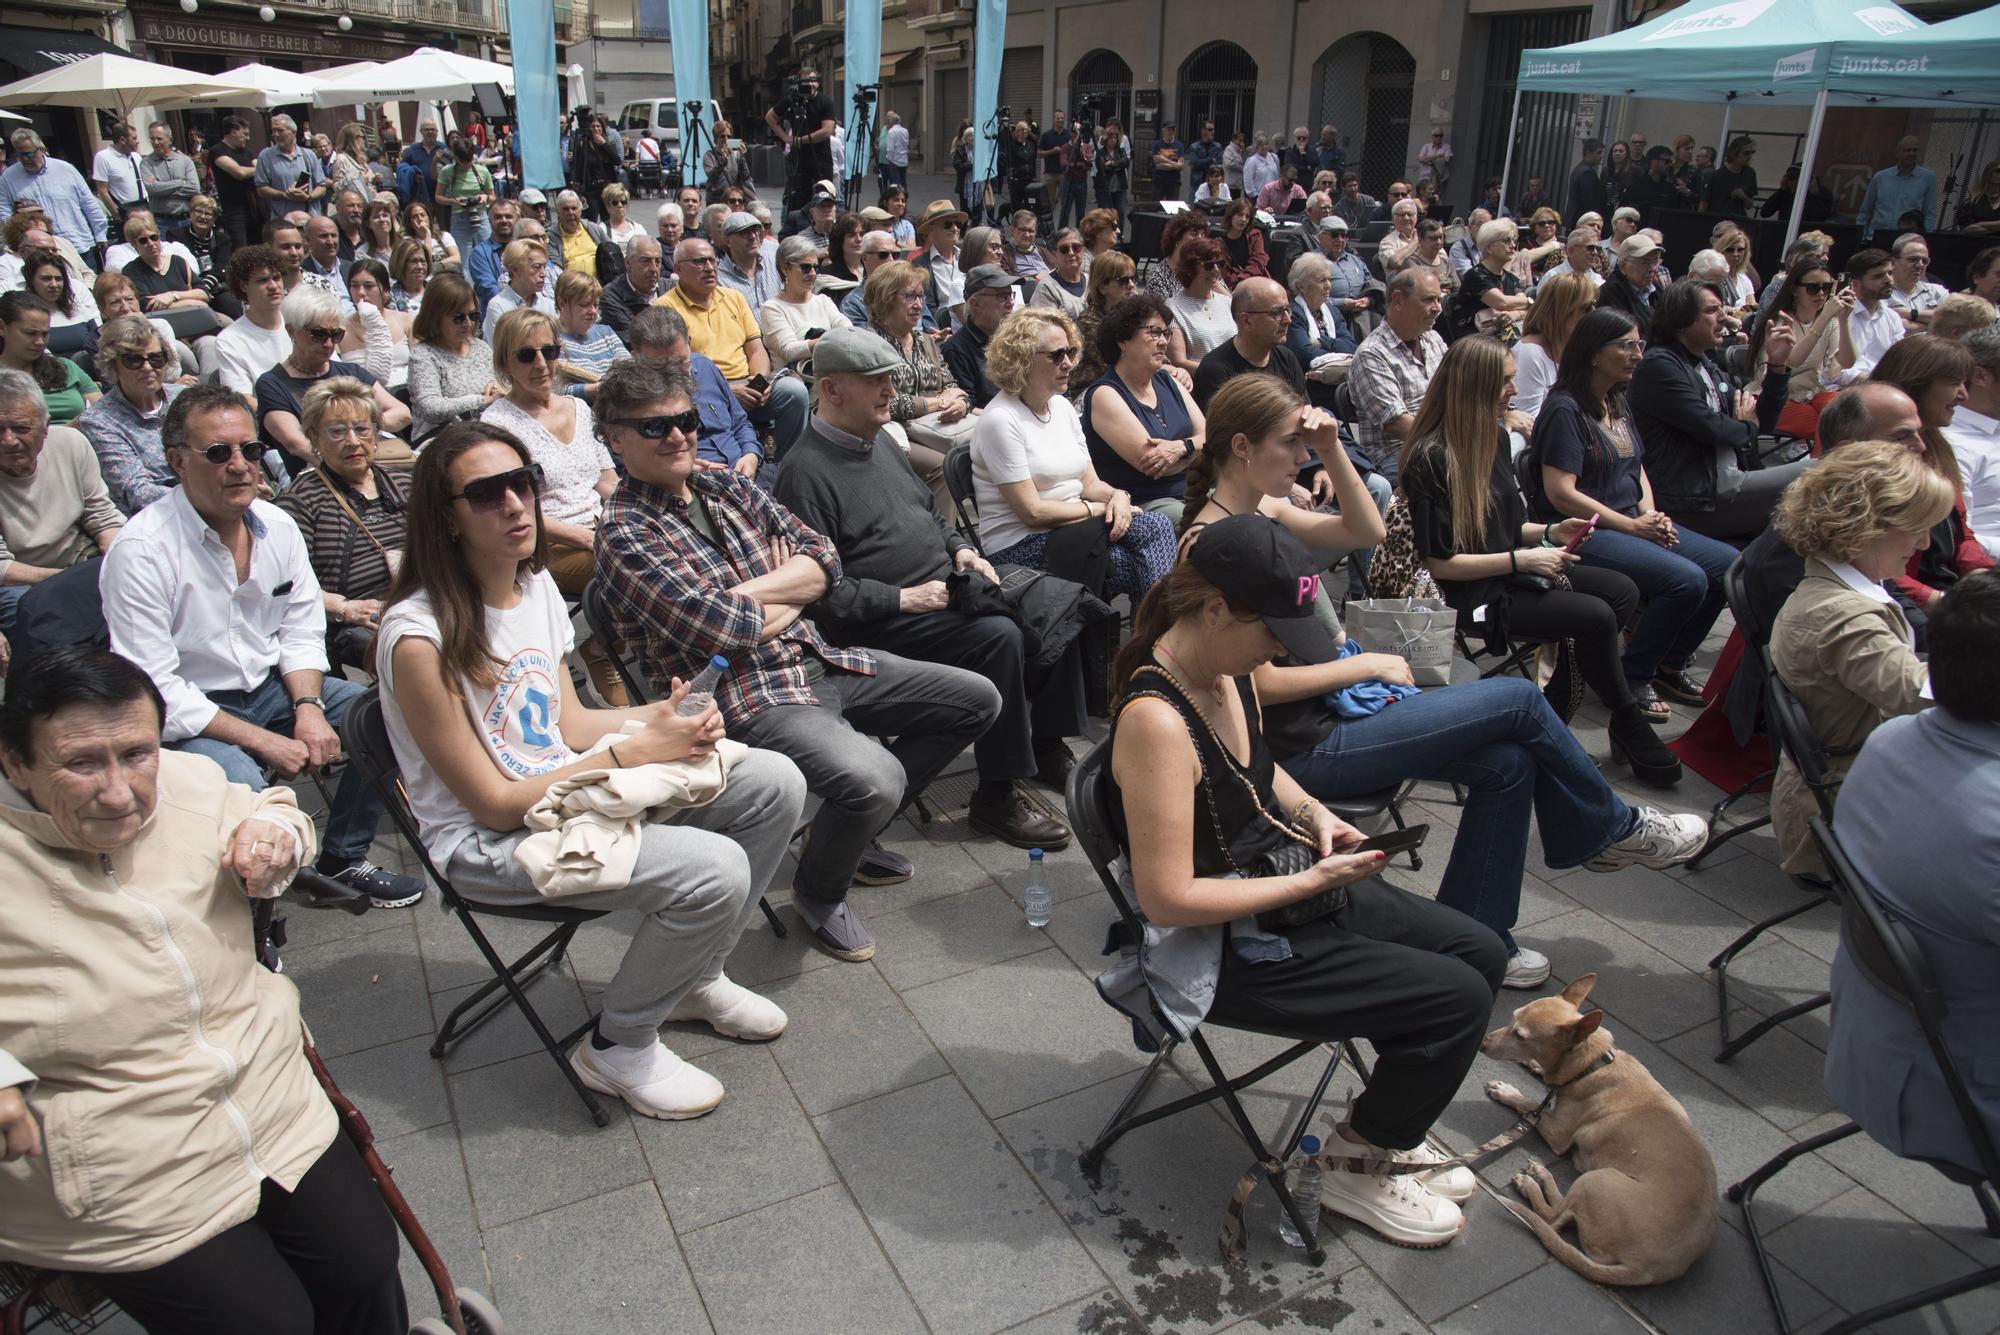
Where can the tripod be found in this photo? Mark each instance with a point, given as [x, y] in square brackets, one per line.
[691, 150]
[860, 149]
[994, 132]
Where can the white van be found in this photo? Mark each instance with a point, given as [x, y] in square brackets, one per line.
[657, 116]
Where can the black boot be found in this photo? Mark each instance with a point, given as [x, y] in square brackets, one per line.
[1634, 742]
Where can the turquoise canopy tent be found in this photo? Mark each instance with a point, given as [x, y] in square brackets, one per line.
[1777, 52]
[1954, 62]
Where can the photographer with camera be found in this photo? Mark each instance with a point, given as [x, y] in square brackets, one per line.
[804, 122]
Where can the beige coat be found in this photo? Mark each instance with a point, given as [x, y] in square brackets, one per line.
[1848, 660]
[170, 1077]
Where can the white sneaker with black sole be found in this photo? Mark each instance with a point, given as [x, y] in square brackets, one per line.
[1399, 1206]
[1659, 840]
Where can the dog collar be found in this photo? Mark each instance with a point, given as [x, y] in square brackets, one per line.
[1610, 1055]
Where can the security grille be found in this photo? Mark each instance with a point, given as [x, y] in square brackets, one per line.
[1546, 143]
[1361, 87]
[1219, 83]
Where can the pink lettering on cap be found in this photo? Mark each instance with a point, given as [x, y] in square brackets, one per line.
[1308, 589]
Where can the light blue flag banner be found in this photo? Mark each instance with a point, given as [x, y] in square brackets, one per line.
[863, 67]
[989, 48]
[687, 24]
[531, 26]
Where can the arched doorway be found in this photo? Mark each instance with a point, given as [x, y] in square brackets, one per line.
[1219, 83]
[1103, 77]
[1362, 86]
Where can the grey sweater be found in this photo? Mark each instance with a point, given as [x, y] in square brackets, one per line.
[444, 387]
[865, 497]
[52, 517]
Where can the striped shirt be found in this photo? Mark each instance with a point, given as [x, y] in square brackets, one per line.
[343, 558]
[594, 352]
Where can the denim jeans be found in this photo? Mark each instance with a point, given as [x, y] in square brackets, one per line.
[1683, 590]
[469, 230]
[356, 810]
[1499, 739]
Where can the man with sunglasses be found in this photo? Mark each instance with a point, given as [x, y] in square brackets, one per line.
[58, 187]
[726, 436]
[55, 511]
[635, 289]
[211, 591]
[695, 562]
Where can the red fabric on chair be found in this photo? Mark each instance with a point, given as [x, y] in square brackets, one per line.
[1709, 746]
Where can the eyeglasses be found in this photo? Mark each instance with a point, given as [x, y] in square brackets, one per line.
[348, 430]
[1127, 281]
[700, 261]
[1157, 333]
[464, 317]
[548, 352]
[656, 428]
[1628, 345]
[138, 361]
[1069, 250]
[1818, 289]
[1280, 312]
[144, 237]
[1399, 194]
[326, 335]
[490, 493]
[1063, 356]
[805, 266]
[219, 454]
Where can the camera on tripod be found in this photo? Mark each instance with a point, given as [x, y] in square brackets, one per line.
[866, 93]
[1086, 107]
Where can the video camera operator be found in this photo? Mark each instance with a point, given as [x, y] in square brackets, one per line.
[1018, 164]
[805, 123]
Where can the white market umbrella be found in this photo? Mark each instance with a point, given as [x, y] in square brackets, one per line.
[261, 87]
[425, 75]
[105, 81]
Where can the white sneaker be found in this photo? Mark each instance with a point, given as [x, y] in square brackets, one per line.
[732, 1010]
[652, 1080]
[1456, 1183]
[1660, 841]
[1526, 968]
[1398, 1206]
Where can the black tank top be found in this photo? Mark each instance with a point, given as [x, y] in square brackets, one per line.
[1236, 815]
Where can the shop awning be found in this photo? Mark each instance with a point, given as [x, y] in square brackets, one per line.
[892, 60]
[38, 50]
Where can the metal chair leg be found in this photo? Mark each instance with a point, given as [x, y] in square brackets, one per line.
[1730, 1047]
[1743, 1193]
[1717, 838]
[778, 928]
[1316, 1253]
[1720, 965]
[1093, 1157]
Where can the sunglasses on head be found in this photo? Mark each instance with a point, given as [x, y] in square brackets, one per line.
[221, 453]
[490, 493]
[548, 352]
[656, 428]
[135, 361]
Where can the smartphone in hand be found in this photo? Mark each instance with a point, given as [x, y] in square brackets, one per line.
[759, 382]
[1395, 841]
[1577, 541]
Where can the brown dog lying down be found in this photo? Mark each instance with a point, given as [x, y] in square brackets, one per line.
[1644, 1201]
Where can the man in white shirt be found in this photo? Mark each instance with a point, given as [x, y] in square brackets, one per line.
[257, 341]
[211, 591]
[1974, 434]
[1577, 252]
[114, 172]
[1870, 325]
[896, 150]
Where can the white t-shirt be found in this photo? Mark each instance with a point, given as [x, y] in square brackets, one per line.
[1534, 376]
[518, 718]
[245, 351]
[1011, 444]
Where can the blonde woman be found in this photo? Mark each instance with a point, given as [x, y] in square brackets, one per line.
[1544, 251]
[1564, 300]
[621, 228]
[1112, 279]
[409, 269]
[1740, 286]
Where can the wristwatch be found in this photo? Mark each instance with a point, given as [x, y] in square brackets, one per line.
[312, 700]
[1187, 447]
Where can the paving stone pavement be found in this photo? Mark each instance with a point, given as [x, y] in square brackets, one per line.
[905, 1158]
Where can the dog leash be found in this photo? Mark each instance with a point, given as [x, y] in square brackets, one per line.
[1234, 1239]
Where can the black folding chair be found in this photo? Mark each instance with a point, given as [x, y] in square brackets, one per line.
[958, 481]
[1090, 817]
[1892, 960]
[366, 741]
[1756, 638]
[1792, 732]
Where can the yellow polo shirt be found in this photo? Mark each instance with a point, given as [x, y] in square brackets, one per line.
[579, 252]
[718, 330]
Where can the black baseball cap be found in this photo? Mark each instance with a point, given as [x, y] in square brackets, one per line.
[1259, 565]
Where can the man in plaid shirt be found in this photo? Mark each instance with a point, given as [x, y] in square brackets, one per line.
[696, 561]
[1393, 368]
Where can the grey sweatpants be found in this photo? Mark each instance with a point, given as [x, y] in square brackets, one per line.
[697, 881]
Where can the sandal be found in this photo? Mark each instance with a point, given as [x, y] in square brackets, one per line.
[1651, 705]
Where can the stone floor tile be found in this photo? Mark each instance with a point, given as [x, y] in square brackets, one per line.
[976, 1242]
[360, 991]
[1353, 1303]
[398, 1086]
[1078, 927]
[607, 1264]
[430, 1172]
[1859, 1251]
[1103, 1313]
[850, 1038]
[506, 1033]
[1549, 1298]
[1070, 874]
[1647, 992]
[1687, 928]
[1023, 1031]
[529, 1144]
[759, 1147]
[307, 927]
[761, 955]
[942, 938]
[1725, 1291]
[1493, 1250]
[1779, 1075]
[1926, 1195]
[452, 960]
[942, 870]
[805, 1266]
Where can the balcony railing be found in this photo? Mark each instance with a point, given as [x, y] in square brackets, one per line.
[452, 15]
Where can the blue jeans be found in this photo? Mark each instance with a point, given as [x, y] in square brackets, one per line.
[356, 810]
[1683, 590]
[784, 413]
[10, 604]
[468, 231]
[1503, 743]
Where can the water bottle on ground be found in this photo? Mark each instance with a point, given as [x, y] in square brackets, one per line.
[1036, 898]
[701, 691]
[1302, 1180]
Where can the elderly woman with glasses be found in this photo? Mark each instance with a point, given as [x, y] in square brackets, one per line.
[124, 425]
[351, 512]
[312, 318]
[1112, 279]
[1063, 286]
[1200, 310]
[1031, 468]
[1491, 299]
[797, 317]
[165, 281]
[451, 367]
[1142, 428]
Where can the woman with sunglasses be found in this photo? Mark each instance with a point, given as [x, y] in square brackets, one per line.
[474, 629]
[124, 425]
[1740, 288]
[165, 281]
[1112, 279]
[409, 268]
[798, 317]
[378, 335]
[1201, 309]
[1031, 470]
[451, 367]
[577, 470]
[1587, 460]
[351, 512]
[1063, 286]
[312, 318]
[116, 298]
[24, 346]
[1819, 353]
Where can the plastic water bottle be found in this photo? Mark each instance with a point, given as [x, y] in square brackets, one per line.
[1302, 1180]
[1036, 898]
[701, 691]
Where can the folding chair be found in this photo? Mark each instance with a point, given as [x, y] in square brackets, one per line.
[1793, 734]
[366, 741]
[1756, 637]
[1090, 818]
[958, 481]
[1891, 959]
